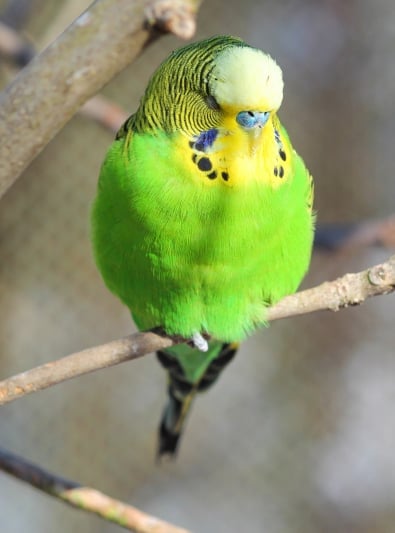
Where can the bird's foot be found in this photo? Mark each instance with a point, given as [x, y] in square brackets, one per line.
[199, 342]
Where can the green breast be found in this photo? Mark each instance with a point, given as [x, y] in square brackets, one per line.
[191, 257]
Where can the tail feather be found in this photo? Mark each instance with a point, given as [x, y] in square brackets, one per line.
[181, 393]
[172, 422]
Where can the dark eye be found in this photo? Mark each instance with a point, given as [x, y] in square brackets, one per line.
[212, 102]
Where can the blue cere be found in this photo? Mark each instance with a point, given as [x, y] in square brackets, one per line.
[252, 119]
[205, 140]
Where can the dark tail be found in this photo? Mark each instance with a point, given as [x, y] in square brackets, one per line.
[182, 393]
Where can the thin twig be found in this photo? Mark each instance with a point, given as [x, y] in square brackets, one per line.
[112, 353]
[13, 47]
[351, 289]
[95, 47]
[105, 112]
[85, 498]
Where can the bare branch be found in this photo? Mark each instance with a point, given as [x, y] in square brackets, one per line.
[84, 498]
[95, 47]
[98, 108]
[105, 112]
[83, 362]
[13, 47]
[351, 289]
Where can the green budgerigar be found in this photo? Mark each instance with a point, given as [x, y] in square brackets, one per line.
[203, 215]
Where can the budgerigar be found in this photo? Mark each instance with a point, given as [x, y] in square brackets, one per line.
[203, 215]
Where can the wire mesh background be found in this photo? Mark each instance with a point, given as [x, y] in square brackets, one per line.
[298, 435]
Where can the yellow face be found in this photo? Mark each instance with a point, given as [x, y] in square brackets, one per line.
[245, 92]
[247, 87]
[237, 158]
[246, 79]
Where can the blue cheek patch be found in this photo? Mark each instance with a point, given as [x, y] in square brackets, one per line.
[201, 156]
[205, 140]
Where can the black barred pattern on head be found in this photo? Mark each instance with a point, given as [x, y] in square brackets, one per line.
[177, 96]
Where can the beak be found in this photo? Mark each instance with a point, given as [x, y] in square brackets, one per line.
[250, 120]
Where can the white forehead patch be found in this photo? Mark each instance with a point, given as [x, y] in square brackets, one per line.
[246, 78]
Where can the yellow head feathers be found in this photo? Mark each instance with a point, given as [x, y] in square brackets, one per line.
[203, 83]
[246, 78]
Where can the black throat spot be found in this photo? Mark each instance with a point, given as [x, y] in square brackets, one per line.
[200, 146]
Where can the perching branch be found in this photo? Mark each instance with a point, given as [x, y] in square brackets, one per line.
[351, 289]
[95, 47]
[85, 498]
[83, 362]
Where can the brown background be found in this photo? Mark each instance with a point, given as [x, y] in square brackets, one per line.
[298, 435]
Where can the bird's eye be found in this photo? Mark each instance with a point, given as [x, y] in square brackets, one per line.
[212, 102]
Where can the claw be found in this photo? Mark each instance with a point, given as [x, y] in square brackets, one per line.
[199, 342]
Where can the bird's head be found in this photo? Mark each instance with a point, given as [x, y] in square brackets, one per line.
[220, 82]
[246, 86]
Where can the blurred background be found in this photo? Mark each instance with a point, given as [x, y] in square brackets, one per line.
[298, 435]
